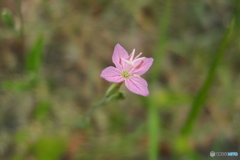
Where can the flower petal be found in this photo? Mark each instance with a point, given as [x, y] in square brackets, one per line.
[142, 66]
[118, 53]
[137, 85]
[112, 74]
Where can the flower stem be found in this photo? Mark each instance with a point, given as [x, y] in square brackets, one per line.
[94, 107]
[111, 94]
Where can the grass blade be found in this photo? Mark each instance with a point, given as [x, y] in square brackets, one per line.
[201, 97]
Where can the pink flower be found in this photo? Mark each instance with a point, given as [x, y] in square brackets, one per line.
[128, 69]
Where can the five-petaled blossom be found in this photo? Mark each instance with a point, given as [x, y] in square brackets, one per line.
[128, 69]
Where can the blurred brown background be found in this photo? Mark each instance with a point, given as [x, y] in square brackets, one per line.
[43, 97]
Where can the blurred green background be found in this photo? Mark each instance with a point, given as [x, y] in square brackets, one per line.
[53, 51]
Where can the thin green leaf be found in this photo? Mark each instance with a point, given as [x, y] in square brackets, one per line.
[34, 57]
[8, 19]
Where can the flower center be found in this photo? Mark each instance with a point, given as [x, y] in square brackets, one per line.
[125, 74]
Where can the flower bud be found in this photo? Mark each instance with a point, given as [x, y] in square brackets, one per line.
[113, 89]
[116, 96]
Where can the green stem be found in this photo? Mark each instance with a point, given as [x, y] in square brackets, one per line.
[111, 94]
[154, 121]
[21, 19]
[94, 108]
[154, 130]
